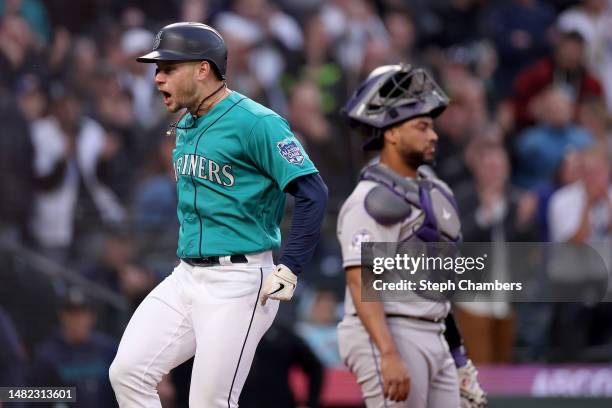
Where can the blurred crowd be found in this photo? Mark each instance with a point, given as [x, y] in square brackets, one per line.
[86, 176]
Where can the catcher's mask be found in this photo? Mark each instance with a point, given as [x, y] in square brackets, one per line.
[392, 94]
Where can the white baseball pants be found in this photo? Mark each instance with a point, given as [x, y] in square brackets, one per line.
[210, 312]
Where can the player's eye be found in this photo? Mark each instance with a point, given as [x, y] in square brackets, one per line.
[164, 70]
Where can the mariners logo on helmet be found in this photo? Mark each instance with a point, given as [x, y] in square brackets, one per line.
[157, 40]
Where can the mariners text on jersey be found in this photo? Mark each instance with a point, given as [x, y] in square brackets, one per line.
[199, 166]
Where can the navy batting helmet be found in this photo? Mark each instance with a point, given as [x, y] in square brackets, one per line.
[189, 42]
[390, 95]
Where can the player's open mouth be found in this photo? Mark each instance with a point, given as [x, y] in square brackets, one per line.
[166, 96]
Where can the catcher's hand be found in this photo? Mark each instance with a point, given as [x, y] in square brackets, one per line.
[471, 393]
[279, 285]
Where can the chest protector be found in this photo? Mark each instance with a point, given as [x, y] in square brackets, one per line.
[392, 201]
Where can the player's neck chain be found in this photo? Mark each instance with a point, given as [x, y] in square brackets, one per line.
[204, 108]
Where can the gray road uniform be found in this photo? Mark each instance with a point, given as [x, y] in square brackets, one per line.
[417, 327]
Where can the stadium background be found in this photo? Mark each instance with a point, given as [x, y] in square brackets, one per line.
[81, 244]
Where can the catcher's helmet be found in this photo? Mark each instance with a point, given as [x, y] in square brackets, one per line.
[189, 42]
[390, 95]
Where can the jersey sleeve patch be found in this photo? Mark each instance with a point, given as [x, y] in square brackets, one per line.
[360, 236]
[290, 151]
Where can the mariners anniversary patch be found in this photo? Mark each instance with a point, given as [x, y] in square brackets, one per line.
[291, 151]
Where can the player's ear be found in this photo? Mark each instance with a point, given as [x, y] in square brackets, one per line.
[391, 135]
[204, 70]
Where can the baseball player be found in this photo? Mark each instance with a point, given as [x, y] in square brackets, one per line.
[398, 350]
[234, 161]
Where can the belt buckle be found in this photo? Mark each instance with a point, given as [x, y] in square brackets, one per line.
[207, 260]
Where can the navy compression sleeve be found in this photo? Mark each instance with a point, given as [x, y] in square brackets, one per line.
[310, 194]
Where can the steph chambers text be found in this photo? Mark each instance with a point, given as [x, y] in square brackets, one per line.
[448, 286]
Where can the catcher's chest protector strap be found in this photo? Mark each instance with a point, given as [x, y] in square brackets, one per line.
[391, 202]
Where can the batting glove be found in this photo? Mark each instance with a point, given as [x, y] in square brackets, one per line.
[279, 285]
[472, 394]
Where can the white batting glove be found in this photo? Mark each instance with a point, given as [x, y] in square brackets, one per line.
[279, 285]
[472, 394]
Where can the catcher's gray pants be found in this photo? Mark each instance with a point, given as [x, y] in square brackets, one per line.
[433, 376]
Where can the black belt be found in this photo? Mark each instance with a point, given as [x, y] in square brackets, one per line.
[424, 319]
[403, 316]
[214, 260]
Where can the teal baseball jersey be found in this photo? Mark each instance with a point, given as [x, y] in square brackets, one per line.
[231, 167]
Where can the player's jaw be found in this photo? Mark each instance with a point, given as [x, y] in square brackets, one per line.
[174, 99]
[415, 158]
[429, 153]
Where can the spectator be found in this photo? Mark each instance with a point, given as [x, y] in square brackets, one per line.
[33, 12]
[239, 72]
[16, 170]
[594, 117]
[82, 63]
[534, 320]
[588, 200]
[351, 25]
[195, 10]
[273, 37]
[566, 68]
[155, 198]
[498, 214]
[325, 144]
[137, 77]
[59, 51]
[593, 20]
[568, 172]
[31, 97]
[402, 36]
[520, 30]
[267, 385]
[67, 151]
[539, 149]
[581, 213]
[77, 355]
[465, 117]
[18, 54]
[321, 67]
[376, 52]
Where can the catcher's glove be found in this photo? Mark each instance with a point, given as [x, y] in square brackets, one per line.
[471, 393]
[279, 285]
